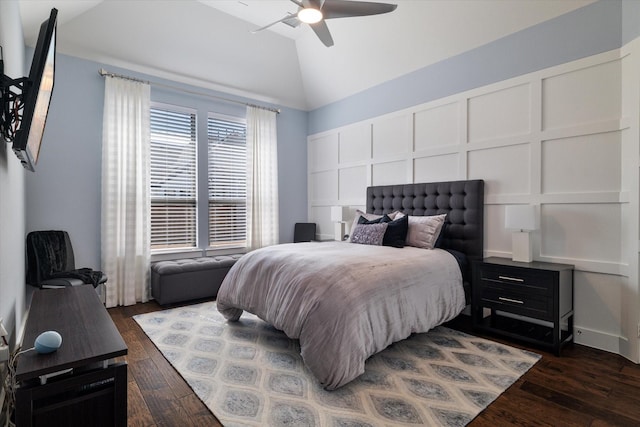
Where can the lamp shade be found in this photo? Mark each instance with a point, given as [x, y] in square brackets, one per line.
[337, 213]
[520, 217]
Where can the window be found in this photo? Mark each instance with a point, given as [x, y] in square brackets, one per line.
[173, 178]
[227, 179]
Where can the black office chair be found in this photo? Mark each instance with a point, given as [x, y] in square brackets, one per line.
[51, 263]
[304, 232]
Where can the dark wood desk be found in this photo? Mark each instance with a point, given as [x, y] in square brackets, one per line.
[94, 391]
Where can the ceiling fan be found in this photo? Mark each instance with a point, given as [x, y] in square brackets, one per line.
[315, 12]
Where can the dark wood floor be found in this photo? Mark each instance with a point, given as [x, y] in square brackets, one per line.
[584, 387]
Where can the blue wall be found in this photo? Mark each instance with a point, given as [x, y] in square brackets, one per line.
[630, 20]
[587, 31]
[64, 192]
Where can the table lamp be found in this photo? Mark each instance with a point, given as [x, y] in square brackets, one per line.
[522, 220]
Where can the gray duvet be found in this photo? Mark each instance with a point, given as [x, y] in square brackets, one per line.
[344, 301]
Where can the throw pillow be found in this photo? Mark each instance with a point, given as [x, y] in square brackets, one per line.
[360, 214]
[396, 233]
[369, 234]
[424, 231]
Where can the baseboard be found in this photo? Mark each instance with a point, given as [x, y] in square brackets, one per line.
[596, 339]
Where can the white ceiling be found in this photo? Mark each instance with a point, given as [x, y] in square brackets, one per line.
[209, 43]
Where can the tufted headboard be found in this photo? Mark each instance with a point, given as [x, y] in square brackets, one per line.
[463, 201]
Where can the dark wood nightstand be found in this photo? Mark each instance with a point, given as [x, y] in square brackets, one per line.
[531, 302]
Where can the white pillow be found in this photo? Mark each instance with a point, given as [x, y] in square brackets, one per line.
[424, 230]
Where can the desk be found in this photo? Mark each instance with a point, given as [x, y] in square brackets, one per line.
[94, 391]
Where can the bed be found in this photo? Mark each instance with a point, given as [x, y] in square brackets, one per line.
[346, 301]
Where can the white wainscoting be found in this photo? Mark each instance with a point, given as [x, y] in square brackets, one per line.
[556, 138]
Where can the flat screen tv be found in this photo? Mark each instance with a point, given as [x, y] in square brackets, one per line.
[37, 95]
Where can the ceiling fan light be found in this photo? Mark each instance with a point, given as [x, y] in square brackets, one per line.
[310, 15]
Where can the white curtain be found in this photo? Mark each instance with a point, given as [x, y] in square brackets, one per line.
[125, 191]
[262, 178]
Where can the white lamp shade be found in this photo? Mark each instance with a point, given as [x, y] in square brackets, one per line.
[520, 217]
[337, 213]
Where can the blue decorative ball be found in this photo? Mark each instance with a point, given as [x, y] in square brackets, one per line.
[48, 342]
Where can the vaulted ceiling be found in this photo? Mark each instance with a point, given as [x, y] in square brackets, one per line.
[209, 43]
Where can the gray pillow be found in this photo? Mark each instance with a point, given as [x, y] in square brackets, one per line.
[369, 234]
[424, 230]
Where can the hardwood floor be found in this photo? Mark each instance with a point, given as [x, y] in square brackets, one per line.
[158, 396]
[584, 387]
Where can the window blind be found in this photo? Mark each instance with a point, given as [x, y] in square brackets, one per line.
[173, 179]
[227, 178]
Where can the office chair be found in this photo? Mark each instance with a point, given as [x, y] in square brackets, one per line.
[304, 232]
[51, 263]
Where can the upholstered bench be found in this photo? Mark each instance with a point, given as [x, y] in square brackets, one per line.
[189, 279]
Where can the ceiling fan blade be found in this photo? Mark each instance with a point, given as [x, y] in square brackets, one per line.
[299, 4]
[316, 4]
[292, 21]
[342, 9]
[322, 31]
[274, 23]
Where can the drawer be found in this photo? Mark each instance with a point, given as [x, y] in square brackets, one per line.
[523, 282]
[513, 300]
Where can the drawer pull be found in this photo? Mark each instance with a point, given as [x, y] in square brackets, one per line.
[513, 279]
[517, 301]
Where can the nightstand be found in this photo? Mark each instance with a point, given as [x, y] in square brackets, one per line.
[528, 301]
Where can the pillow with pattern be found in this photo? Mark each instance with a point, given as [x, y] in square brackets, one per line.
[369, 234]
[360, 214]
[368, 217]
[396, 233]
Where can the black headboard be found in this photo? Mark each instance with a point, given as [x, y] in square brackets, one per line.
[463, 201]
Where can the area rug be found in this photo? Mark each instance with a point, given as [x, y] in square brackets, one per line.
[250, 374]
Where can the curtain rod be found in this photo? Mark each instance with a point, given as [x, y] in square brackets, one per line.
[105, 73]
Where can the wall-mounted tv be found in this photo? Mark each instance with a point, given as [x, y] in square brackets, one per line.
[36, 95]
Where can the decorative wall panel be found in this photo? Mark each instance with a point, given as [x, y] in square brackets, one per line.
[355, 144]
[599, 302]
[585, 95]
[582, 164]
[437, 126]
[323, 152]
[499, 114]
[436, 168]
[324, 186]
[582, 231]
[506, 170]
[496, 236]
[390, 173]
[392, 136]
[352, 181]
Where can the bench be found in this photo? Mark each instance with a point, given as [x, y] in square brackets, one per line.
[189, 279]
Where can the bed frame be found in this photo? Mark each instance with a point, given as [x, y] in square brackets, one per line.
[462, 201]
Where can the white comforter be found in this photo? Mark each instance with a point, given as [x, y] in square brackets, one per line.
[344, 301]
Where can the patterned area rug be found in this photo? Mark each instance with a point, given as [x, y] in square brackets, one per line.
[250, 374]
